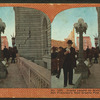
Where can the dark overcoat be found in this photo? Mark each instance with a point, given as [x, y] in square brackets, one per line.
[69, 60]
[60, 56]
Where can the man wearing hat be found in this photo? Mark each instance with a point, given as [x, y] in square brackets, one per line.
[69, 62]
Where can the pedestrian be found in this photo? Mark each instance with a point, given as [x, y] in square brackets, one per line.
[90, 56]
[96, 55]
[6, 53]
[69, 62]
[13, 52]
[60, 58]
[87, 52]
[54, 60]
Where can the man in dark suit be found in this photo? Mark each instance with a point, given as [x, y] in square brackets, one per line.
[87, 52]
[6, 53]
[69, 62]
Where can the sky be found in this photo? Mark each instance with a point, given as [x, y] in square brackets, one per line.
[63, 23]
[7, 15]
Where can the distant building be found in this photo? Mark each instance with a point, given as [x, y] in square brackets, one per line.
[33, 35]
[4, 42]
[86, 42]
[58, 43]
[71, 36]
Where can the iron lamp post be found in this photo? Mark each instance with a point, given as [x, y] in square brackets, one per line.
[81, 28]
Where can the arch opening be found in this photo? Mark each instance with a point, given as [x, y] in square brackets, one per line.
[27, 25]
[63, 29]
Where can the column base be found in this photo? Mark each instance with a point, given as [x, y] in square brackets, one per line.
[3, 71]
[82, 68]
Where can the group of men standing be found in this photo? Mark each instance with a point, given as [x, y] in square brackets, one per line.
[92, 53]
[66, 60]
[11, 52]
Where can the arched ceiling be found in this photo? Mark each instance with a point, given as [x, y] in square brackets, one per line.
[50, 9]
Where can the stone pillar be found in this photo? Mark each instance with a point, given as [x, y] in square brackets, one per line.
[81, 47]
[99, 29]
[3, 70]
[81, 28]
[0, 46]
[81, 67]
[98, 13]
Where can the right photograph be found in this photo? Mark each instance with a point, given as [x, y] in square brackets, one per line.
[75, 48]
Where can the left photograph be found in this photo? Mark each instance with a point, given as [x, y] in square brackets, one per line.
[25, 48]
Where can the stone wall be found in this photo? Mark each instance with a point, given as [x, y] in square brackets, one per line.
[46, 40]
[34, 75]
[33, 35]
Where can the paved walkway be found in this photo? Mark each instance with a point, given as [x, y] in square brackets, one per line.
[94, 79]
[14, 78]
[59, 83]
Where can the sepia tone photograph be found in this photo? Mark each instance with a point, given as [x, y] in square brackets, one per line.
[25, 54]
[75, 52]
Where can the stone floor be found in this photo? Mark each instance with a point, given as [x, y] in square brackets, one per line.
[59, 83]
[14, 78]
[92, 82]
[94, 79]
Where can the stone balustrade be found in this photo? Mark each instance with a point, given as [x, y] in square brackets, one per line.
[34, 75]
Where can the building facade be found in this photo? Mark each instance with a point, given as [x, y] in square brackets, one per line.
[33, 35]
[57, 43]
[4, 42]
[86, 42]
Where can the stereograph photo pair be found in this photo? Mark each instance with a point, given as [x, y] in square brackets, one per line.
[49, 45]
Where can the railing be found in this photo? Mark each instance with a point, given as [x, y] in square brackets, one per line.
[34, 75]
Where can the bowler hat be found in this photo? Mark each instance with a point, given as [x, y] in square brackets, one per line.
[69, 42]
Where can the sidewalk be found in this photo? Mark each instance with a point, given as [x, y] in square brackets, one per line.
[94, 79]
[14, 78]
[59, 83]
